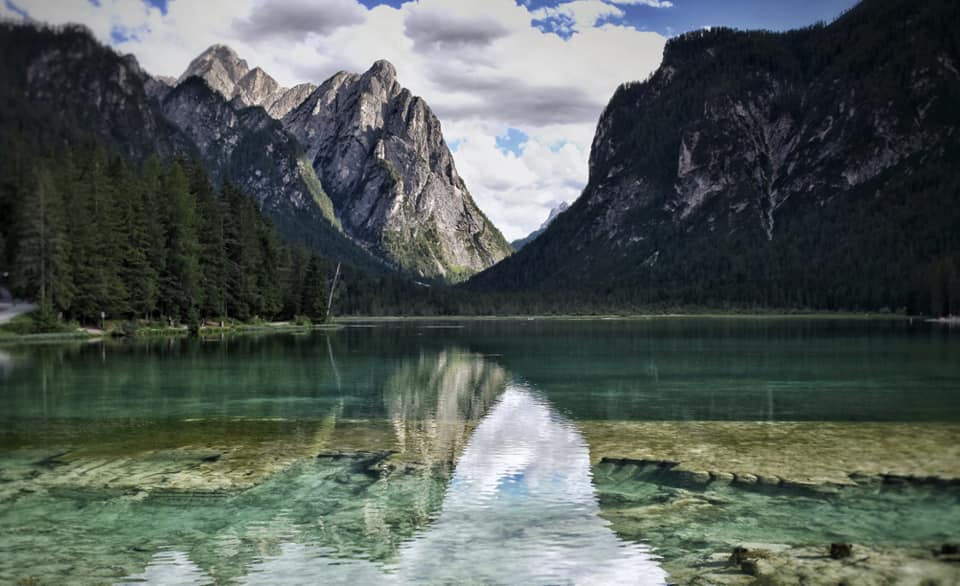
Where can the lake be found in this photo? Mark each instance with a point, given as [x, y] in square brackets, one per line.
[635, 451]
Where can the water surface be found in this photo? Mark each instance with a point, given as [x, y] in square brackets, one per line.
[479, 451]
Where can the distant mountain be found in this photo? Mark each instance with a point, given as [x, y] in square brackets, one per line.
[379, 152]
[814, 168]
[229, 75]
[554, 212]
[395, 203]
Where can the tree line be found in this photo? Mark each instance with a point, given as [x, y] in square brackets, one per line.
[87, 233]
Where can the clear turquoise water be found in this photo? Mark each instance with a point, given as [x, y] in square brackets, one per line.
[491, 478]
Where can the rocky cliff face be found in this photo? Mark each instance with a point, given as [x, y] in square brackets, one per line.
[54, 84]
[230, 76]
[380, 154]
[779, 169]
[397, 201]
[250, 148]
[376, 149]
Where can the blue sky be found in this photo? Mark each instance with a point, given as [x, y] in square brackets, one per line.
[686, 15]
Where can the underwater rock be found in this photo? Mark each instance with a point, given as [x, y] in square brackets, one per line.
[772, 564]
[722, 478]
[694, 476]
[749, 567]
[948, 552]
[840, 550]
[769, 480]
[799, 454]
[739, 555]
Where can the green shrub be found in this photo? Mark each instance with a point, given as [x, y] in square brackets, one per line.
[127, 329]
[20, 325]
[46, 319]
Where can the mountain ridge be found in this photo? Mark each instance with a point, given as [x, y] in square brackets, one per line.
[797, 169]
[379, 152]
[232, 118]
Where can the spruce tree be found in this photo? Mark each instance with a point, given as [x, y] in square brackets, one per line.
[41, 265]
[314, 300]
[294, 270]
[155, 213]
[268, 271]
[180, 280]
[92, 236]
[213, 248]
[133, 244]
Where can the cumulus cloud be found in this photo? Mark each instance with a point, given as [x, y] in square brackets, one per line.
[438, 30]
[483, 67]
[650, 3]
[512, 99]
[293, 20]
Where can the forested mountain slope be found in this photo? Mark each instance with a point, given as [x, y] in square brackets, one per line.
[61, 88]
[815, 168]
[398, 204]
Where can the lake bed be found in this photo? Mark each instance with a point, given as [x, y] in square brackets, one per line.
[635, 451]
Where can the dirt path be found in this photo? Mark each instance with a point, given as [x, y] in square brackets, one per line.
[8, 311]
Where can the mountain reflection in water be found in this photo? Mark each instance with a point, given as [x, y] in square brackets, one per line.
[519, 509]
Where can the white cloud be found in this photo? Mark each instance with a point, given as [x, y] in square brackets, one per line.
[294, 20]
[650, 3]
[517, 191]
[481, 66]
[582, 14]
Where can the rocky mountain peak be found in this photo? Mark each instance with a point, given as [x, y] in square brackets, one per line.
[220, 67]
[384, 70]
[379, 152]
[257, 88]
[554, 212]
[287, 100]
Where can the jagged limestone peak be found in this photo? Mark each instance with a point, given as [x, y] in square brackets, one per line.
[379, 152]
[384, 70]
[220, 67]
[257, 88]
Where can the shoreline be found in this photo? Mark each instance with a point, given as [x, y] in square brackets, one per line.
[148, 332]
[629, 317]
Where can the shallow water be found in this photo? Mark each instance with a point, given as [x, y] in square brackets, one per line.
[483, 452]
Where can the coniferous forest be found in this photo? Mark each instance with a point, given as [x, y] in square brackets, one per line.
[89, 233]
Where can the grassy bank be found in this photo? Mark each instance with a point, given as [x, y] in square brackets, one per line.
[24, 328]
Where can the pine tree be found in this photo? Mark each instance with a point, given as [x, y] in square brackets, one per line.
[294, 270]
[133, 243]
[213, 248]
[268, 271]
[179, 283]
[41, 268]
[92, 236]
[237, 276]
[154, 208]
[314, 302]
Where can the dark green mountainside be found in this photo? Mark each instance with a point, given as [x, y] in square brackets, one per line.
[816, 168]
[105, 205]
[61, 87]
